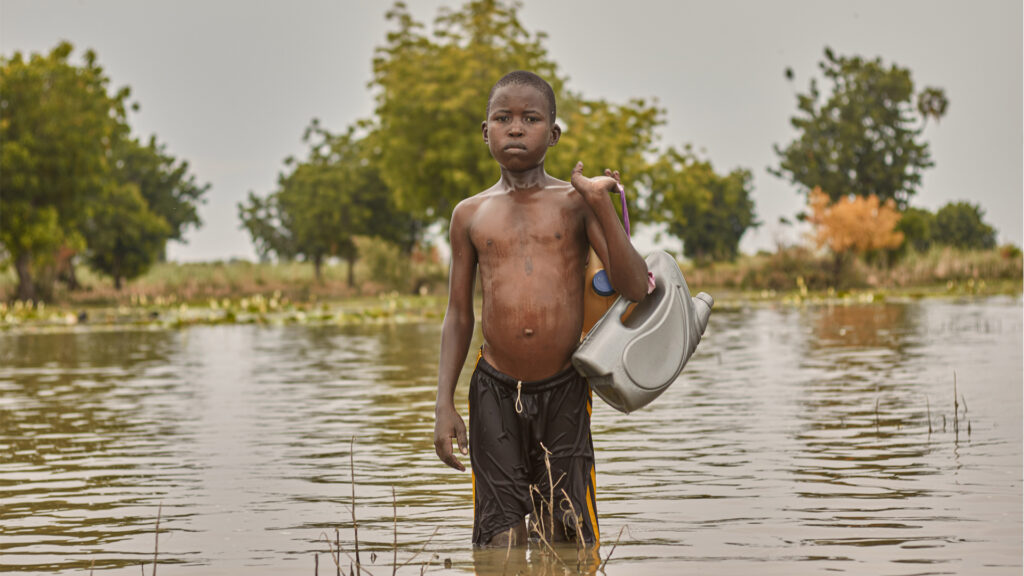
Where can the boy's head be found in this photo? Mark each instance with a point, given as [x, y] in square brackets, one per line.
[520, 124]
[524, 78]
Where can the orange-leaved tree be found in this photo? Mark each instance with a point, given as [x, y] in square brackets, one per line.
[853, 225]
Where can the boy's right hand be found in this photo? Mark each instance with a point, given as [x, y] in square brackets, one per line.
[447, 425]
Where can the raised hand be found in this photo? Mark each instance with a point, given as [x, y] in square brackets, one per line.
[595, 188]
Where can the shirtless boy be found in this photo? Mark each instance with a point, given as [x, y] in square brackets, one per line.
[529, 235]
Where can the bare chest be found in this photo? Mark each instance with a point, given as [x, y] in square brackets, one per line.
[506, 229]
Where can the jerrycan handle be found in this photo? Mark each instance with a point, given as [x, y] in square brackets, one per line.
[618, 309]
[625, 211]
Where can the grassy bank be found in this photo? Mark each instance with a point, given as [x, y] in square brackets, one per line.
[797, 269]
[400, 289]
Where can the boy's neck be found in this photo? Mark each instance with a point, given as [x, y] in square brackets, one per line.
[532, 179]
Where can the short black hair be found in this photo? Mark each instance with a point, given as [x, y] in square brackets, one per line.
[525, 78]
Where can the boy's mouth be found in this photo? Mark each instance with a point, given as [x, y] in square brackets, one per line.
[515, 147]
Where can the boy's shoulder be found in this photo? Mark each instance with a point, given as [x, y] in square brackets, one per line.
[556, 193]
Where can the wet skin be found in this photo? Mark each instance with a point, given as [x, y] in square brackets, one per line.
[529, 236]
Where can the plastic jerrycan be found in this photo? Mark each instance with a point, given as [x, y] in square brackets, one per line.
[630, 362]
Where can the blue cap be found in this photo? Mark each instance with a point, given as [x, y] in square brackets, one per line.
[601, 284]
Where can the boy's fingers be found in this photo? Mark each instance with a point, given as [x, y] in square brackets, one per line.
[452, 461]
[463, 443]
[444, 452]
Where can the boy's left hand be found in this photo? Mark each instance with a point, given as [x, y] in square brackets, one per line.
[594, 189]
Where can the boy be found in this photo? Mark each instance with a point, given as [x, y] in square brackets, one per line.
[529, 235]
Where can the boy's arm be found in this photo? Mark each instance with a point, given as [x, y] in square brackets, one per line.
[626, 269]
[455, 337]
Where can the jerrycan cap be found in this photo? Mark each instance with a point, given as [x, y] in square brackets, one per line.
[601, 284]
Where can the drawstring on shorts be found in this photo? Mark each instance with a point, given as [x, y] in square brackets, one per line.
[519, 394]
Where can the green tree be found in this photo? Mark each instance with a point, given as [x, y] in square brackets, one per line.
[431, 93]
[917, 226]
[125, 237]
[865, 139]
[164, 182]
[323, 203]
[961, 224]
[707, 211]
[58, 123]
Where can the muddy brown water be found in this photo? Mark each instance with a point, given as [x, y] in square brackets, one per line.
[796, 442]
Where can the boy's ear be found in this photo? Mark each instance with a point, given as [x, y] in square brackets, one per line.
[556, 133]
[483, 128]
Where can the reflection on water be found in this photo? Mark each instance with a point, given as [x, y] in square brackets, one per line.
[797, 442]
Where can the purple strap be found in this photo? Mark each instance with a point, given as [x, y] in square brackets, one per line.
[625, 212]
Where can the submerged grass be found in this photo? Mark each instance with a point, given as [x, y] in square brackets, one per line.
[546, 557]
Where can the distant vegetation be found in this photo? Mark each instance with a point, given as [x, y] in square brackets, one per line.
[75, 183]
[86, 206]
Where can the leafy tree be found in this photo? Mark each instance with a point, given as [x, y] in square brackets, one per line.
[58, 123]
[117, 245]
[918, 228]
[323, 203]
[606, 135]
[707, 211]
[865, 139]
[163, 181]
[431, 94]
[853, 225]
[125, 237]
[960, 224]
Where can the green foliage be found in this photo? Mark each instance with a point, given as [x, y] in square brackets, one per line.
[605, 135]
[960, 224]
[917, 226]
[431, 93]
[167, 187]
[384, 262]
[73, 178]
[125, 237]
[866, 137]
[324, 202]
[57, 124]
[707, 211]
[791, 268]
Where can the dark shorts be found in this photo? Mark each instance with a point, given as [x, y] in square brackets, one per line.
[505, 447]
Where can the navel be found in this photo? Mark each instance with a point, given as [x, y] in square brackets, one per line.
[528, 331]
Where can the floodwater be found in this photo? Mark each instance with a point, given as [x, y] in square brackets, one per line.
[797, 442]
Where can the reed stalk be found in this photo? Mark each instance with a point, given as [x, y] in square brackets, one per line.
[352, 477]
[956, 410]
[612, 551]
[156, 536]
[929, 406]
[394, 533]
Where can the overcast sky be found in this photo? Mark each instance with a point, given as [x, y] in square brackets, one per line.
[230, 85]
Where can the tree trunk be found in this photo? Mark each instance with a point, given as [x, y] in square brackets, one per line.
[317, 265]
[117, 275]
[837, 270]
[351, 270]
[26, 289]
[72, 278]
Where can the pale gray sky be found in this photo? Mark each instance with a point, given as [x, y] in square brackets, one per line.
[230, 85]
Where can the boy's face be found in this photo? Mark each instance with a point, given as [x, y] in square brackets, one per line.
[518, 129]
